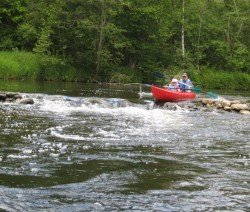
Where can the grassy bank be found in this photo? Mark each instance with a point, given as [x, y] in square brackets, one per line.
[216, 79]
[19, 65]
[25, 65]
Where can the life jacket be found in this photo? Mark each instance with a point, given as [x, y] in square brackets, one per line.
[174, 88]
[186, 87]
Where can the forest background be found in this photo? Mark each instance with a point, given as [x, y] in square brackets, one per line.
[126, 41]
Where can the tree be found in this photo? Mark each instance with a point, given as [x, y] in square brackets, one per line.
[11, 15]
[101, 36]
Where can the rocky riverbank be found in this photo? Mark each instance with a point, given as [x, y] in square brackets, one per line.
[225, 105]
[207, 104]
[14, 98]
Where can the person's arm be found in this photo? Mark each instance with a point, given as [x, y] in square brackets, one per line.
[190, 84]
[181, 86]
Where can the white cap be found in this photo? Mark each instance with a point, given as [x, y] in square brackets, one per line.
[174, 80]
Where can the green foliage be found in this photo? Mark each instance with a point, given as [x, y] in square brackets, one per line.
[11, 15]
[120, 78]
[125, 75]
[18, 65]
[43, 44]
[128, 40]
[52, 68]
[25, 65]
[211, 78]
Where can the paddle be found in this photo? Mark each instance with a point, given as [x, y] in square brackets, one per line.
[198, 90]
[212, 95]
[148, 85]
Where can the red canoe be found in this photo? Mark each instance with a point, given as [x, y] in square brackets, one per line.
[163, 94]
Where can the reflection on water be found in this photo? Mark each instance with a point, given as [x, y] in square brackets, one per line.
[81, 152]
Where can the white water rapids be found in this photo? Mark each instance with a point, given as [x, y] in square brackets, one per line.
[90, 154]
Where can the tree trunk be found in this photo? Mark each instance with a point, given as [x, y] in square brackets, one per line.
[199, 37]
[198, 44]
[100, 39]
[183, 35]
[228, 39]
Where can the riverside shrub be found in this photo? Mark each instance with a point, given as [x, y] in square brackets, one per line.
[19, 65]
[217, 79]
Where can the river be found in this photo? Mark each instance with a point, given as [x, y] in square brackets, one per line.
[85, 147]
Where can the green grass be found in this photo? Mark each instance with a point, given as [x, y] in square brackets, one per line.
[213, 78]
[19, 65]
[223, 80]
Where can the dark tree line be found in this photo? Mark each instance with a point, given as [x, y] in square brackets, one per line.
[102, 37]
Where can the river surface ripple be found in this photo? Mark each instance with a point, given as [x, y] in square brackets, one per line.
[69, 153]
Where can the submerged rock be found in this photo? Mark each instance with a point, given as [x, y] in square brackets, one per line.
[14, 98]
[26, 101]
[11, 95]
[3, 97]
